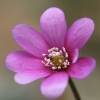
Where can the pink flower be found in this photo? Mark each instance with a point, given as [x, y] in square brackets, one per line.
[52, 55]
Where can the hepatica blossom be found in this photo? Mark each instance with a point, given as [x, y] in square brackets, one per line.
[53, 54]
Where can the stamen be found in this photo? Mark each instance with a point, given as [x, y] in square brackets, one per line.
[59, 67]
[66, 55]
[43, 62]
[65, 63]
[46, 64]
[56, 59]
[48, 60]
[53, 55]
[45, 59]
[60, 61]
[51, 63]
[64, 49]
[66, 60]
[65, 67]
[44, 54]
[57, 53]
[68, 63]
[60, 51]
[56, 49]
[54, 67]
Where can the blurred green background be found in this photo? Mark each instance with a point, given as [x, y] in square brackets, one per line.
[13, 12]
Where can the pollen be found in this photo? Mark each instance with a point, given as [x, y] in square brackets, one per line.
[56, 59]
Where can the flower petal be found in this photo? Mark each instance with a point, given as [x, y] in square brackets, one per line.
[79, 33]
[82, 68]
[27, 76]
[74, 55]
[53, 27]
[21, 60]
[29, 39]
[54, 85]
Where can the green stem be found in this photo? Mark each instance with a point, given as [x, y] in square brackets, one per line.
[74, 90]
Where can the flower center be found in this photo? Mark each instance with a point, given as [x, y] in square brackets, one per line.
[56, 59]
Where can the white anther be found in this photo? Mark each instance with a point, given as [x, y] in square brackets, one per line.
[53, 48]
[57, 53]
[50, 50]
[53, 52]
[60, 61]
[68, 63]
[44, 54]
[66, 55]
[56, 49]
[65, 67]
[43, 62]
[64, 49]
[59, 67]
[66, 60]
[45, 59]
[48, 60]
[50, 55]
[47, 64]
[54, 67]
[65, 63]
[60, 51]
[51, 63]
[53, 55]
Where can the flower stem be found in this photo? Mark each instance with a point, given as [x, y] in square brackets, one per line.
[74, 90]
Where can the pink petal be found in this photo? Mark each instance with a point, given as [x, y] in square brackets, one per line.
[27, 76]
[21, 60]
[54, 85]
[29, 39]
[53, 26]
[74, 55]
[79, 33]
[82, 68]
